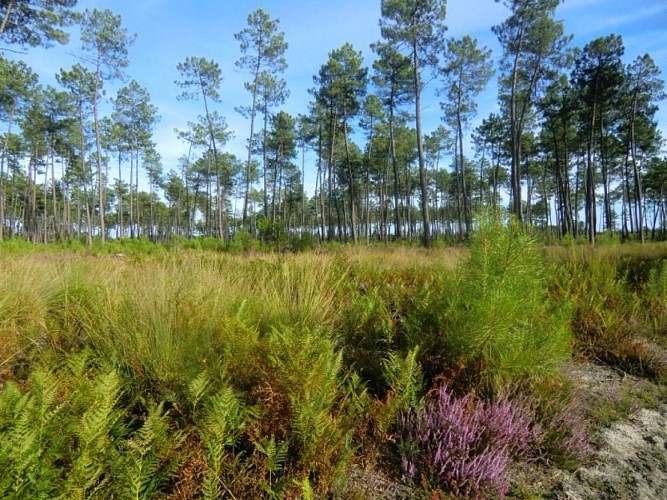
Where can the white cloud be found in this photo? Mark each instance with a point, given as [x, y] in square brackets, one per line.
[614, 21]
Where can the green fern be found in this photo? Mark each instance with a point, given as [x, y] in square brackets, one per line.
[404, 376]
[223, 420]
[307, 492]
[275, 458]
[77, 363]
[275, 453]
[197, 389]
[211, 486]
[18, 444]
[222, 426]
[144, 469]
[28, 425]
[310, 370]
[405, 379]
[93, 433]
[98, 420]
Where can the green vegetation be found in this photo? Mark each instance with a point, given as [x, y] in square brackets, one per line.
[197, 373]
[501, 319]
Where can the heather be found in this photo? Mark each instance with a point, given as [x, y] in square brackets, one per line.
[465, 444]
[190, 373]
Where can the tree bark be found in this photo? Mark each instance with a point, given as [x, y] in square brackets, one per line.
[353, 200]
[252, 131]
[426, 221]
[5, 19]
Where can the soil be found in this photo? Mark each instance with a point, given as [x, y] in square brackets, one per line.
[628, 461]
[629, 458]
[631, 461]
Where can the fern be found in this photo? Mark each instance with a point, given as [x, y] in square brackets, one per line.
[57, 437]
[45, 389]
[220, 431]
[307, 492]
[27, 427]
[404, 377]
[17, 446]
[77, 363]
[197, 389]
[224, 417]
[309, 369]
[143, 468]
[93, 433]
[98, 420]
[275, 455]
[212, 486]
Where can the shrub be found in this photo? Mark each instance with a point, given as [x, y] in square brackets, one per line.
[618, 302]
[500, 322]
[303, 242]
[561, 412]
[655, 296]
[212, 244]
[465, 445]
[17, 245]
[273, 233]
[242, 241]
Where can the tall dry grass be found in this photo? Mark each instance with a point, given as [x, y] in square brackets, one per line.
[259, 327]
[27, 284]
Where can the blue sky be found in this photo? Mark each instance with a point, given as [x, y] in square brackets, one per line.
[170, 30]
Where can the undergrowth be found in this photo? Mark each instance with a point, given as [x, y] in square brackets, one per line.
[499, 319]
[139, 371]
[618, 301]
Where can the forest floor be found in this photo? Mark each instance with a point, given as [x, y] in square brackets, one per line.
[629, 456]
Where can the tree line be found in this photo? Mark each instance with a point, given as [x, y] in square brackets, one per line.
[576, 148]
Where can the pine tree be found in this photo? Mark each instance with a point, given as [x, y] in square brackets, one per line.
[533, 45]
[263, 48]
[417, 26]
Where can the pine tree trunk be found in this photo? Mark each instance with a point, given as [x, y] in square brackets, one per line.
[353, 215]
[426, 222]
[394, 164]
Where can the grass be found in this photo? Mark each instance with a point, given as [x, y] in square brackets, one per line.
[618, 298]
[620, 401]
[192, 373]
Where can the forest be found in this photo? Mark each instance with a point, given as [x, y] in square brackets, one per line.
[575, 149]
[493, 327]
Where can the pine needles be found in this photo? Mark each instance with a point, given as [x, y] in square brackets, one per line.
[500, 320]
